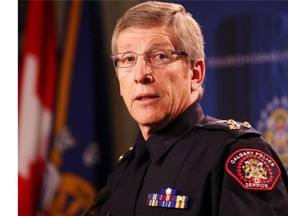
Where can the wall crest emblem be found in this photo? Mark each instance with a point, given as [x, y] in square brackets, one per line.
[273, 125]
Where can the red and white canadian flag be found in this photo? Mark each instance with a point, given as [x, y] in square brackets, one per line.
[36, 101]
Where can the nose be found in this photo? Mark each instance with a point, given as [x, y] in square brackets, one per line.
[142, 71]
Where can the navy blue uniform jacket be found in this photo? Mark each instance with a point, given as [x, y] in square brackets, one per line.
[222, 169]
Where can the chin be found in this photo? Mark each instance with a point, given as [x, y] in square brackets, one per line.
[149, 120]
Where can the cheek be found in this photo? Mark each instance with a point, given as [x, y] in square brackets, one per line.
[175, 82]
[122, 89]
[168, 89]
[125, 89]
[179, 87]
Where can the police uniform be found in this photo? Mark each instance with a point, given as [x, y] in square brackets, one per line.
[198, 165]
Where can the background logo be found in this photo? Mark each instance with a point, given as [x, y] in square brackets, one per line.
[273, 125]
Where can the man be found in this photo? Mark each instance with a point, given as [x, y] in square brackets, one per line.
[183, 162]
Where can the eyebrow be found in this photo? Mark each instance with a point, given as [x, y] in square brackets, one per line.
[151, 47]
[159, 44]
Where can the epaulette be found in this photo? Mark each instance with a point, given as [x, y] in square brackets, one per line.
[238, 129]
[126, 155]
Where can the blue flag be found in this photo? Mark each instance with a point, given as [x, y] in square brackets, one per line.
[80, 153]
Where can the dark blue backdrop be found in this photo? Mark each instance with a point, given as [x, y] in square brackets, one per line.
[247, 64]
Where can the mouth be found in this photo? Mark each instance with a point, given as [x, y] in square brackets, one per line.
[146, 97]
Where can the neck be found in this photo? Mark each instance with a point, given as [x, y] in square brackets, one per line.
[147, 131]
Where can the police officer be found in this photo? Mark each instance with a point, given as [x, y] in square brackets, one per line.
[183, 162]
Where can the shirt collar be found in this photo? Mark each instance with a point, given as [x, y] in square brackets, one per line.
[161, 141]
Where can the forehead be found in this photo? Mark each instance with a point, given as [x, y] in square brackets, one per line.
[143, 39]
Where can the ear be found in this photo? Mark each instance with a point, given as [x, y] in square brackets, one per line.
[198, 74]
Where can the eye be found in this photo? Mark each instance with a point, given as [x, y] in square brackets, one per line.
[160, 55]
[128, 58]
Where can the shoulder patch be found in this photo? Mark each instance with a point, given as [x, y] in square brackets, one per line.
[253, 169]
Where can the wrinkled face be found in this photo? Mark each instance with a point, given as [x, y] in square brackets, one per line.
[153, 94]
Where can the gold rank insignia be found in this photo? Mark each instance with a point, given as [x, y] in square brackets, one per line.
[122, 156]
[233, 125]
[246, 124]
